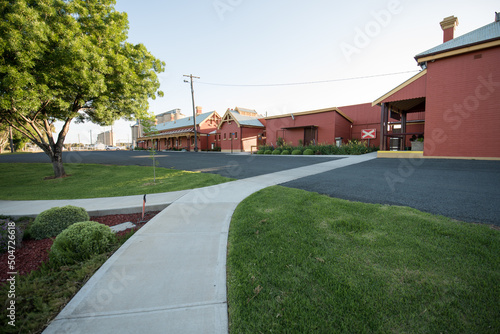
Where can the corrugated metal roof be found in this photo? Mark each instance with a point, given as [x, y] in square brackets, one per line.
[302, 113]
[246, 120]
[183, 122]
[487, 33]
[246, 110]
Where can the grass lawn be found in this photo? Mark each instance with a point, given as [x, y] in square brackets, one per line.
[300, 262]
[20, 181]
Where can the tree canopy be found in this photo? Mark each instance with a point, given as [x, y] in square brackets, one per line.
[70, 59]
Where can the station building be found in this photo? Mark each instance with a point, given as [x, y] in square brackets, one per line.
[451, 108]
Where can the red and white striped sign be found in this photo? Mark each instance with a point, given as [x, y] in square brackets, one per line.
[369, 134]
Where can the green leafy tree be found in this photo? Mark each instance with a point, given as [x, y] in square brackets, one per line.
[64, 60]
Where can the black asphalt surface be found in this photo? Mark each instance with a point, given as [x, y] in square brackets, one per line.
[227, 165]
[467, 190]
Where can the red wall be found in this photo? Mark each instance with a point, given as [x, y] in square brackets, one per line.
[365, 117]
[225, 130]
[246, 138]
[342, 128]
[463, 105]
[329, 125]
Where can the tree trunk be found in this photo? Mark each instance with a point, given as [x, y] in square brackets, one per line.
[57, 163]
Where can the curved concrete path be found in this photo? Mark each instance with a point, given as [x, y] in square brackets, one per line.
[170, 276]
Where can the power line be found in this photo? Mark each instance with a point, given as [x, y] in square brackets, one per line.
[305, 83]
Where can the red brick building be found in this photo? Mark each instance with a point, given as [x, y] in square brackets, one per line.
[240, 129]
[179, 134]
[457, 93]
[323, 126]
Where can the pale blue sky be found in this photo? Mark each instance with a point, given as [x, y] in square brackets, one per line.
[267, 42]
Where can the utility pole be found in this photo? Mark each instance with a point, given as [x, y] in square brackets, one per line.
[194, 111]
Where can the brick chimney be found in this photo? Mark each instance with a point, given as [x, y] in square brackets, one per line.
[172, 117]
[198, 110]
[448, 25]
[497, 17]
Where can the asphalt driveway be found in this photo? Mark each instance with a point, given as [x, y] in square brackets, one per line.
[238, 166]
[467, 190]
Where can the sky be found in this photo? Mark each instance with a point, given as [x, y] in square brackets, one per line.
[249, 53]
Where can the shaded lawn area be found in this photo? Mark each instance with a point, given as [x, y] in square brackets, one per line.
[300, 262]
[21, 181]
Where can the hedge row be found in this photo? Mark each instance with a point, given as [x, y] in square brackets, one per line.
[353, 147]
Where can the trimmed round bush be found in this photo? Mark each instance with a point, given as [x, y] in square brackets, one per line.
[308, 152]
[285, 152]
[51, 222]
[268, 152]
[81, 241]
[296, 152]
[277, 151]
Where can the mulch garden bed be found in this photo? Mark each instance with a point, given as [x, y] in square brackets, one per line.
[33, 253]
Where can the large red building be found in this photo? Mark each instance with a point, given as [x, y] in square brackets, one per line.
[453, 104]
[457, 92]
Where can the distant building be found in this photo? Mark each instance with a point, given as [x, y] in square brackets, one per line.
[179, 134]
[106, 138]
[171, 115]
[168, 116]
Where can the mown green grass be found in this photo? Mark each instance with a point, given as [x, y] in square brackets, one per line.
[300, 262]
[20, 181]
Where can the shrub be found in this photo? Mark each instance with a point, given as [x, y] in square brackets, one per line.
[268, 152]
[277, 151]
[285, 152]
[308, 152]
[53, 221]
[279, 141]
[296, 152]
[81, 241]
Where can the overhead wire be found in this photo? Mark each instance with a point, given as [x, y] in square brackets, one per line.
[305, 83]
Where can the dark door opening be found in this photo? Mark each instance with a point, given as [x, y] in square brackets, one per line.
[309, 136]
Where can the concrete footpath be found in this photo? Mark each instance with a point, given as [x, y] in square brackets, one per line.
[170, 276]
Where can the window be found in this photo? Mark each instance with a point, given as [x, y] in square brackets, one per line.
[236, 135]
[224, 136]
[192, 141]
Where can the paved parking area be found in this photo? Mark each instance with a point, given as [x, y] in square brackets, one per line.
[467, 190]
[238, 166]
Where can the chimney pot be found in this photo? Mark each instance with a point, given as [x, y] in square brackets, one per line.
[448, 25]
